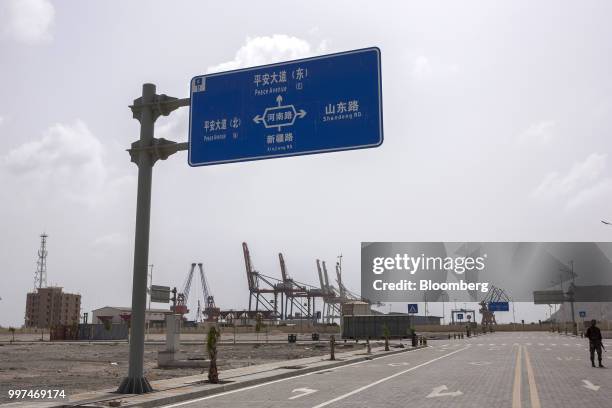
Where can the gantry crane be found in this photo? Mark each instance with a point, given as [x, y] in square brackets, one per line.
[261, 287]
[210, 312]
[294, 292]
[331, 299]
[495, 295]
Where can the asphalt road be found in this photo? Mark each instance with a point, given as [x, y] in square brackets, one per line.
[497, 370]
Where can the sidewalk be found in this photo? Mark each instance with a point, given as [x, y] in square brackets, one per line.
[184, 388]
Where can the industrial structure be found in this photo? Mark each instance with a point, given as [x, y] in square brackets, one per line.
[48, 307]
[116, 315]
[495, 295]
[287, 298]
[40, 276]
[210, 312]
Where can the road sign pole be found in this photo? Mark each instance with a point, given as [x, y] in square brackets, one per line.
[145, 152]
[135, 382]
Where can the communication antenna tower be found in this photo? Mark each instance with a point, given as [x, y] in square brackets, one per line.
[40, 276]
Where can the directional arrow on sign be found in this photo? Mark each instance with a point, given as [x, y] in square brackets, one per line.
[301, 113]
[590, 386]
[303, 391]
[437, 392]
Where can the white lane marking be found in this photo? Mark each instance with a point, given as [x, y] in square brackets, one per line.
[365, 387]
[540, 344]
[405, 363]
[304, 392]
[437, 392]
[221, 394]
[590, 386]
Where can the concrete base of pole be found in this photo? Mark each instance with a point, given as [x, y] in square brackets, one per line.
[134, 386]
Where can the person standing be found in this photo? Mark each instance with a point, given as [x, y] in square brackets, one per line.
[595, 342]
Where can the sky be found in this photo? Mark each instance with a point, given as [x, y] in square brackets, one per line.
[497, 121]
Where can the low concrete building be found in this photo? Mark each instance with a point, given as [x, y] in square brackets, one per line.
[356, 308]
[50, 307]
[116, 314]
[420, 320]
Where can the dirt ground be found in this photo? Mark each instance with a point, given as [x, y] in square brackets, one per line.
[80, 367]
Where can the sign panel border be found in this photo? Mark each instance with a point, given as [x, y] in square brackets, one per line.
[273, 156]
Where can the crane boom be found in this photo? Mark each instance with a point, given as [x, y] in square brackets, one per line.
[205, 292]
[182, 297]
[339, 280]
[249, 266]
[187, 287]
[283, 267]
[323, 288]
[325, 274]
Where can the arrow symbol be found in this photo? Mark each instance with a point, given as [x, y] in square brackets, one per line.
[304, 391]
[437, 392]
[279, 100]
[258, 119]
[480, 363]
[301, 113]
[590, 386]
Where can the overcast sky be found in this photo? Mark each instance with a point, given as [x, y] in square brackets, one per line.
[497, 123]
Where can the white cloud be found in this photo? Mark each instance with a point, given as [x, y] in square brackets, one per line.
[267, 50]
[29, 21]
[1, 120]
[583, 183]
[174, 127]
[110, 240]
[540, 133]
[422, 68]
[68, 158]
[590, 193]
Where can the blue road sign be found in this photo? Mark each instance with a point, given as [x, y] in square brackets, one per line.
[413, 308]
[313, 105]
[582, 313]
[459, 316]
[499, 306]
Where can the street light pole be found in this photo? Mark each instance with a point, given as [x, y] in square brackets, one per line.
[144, 153]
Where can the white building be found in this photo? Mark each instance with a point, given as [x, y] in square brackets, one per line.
[121, 314]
